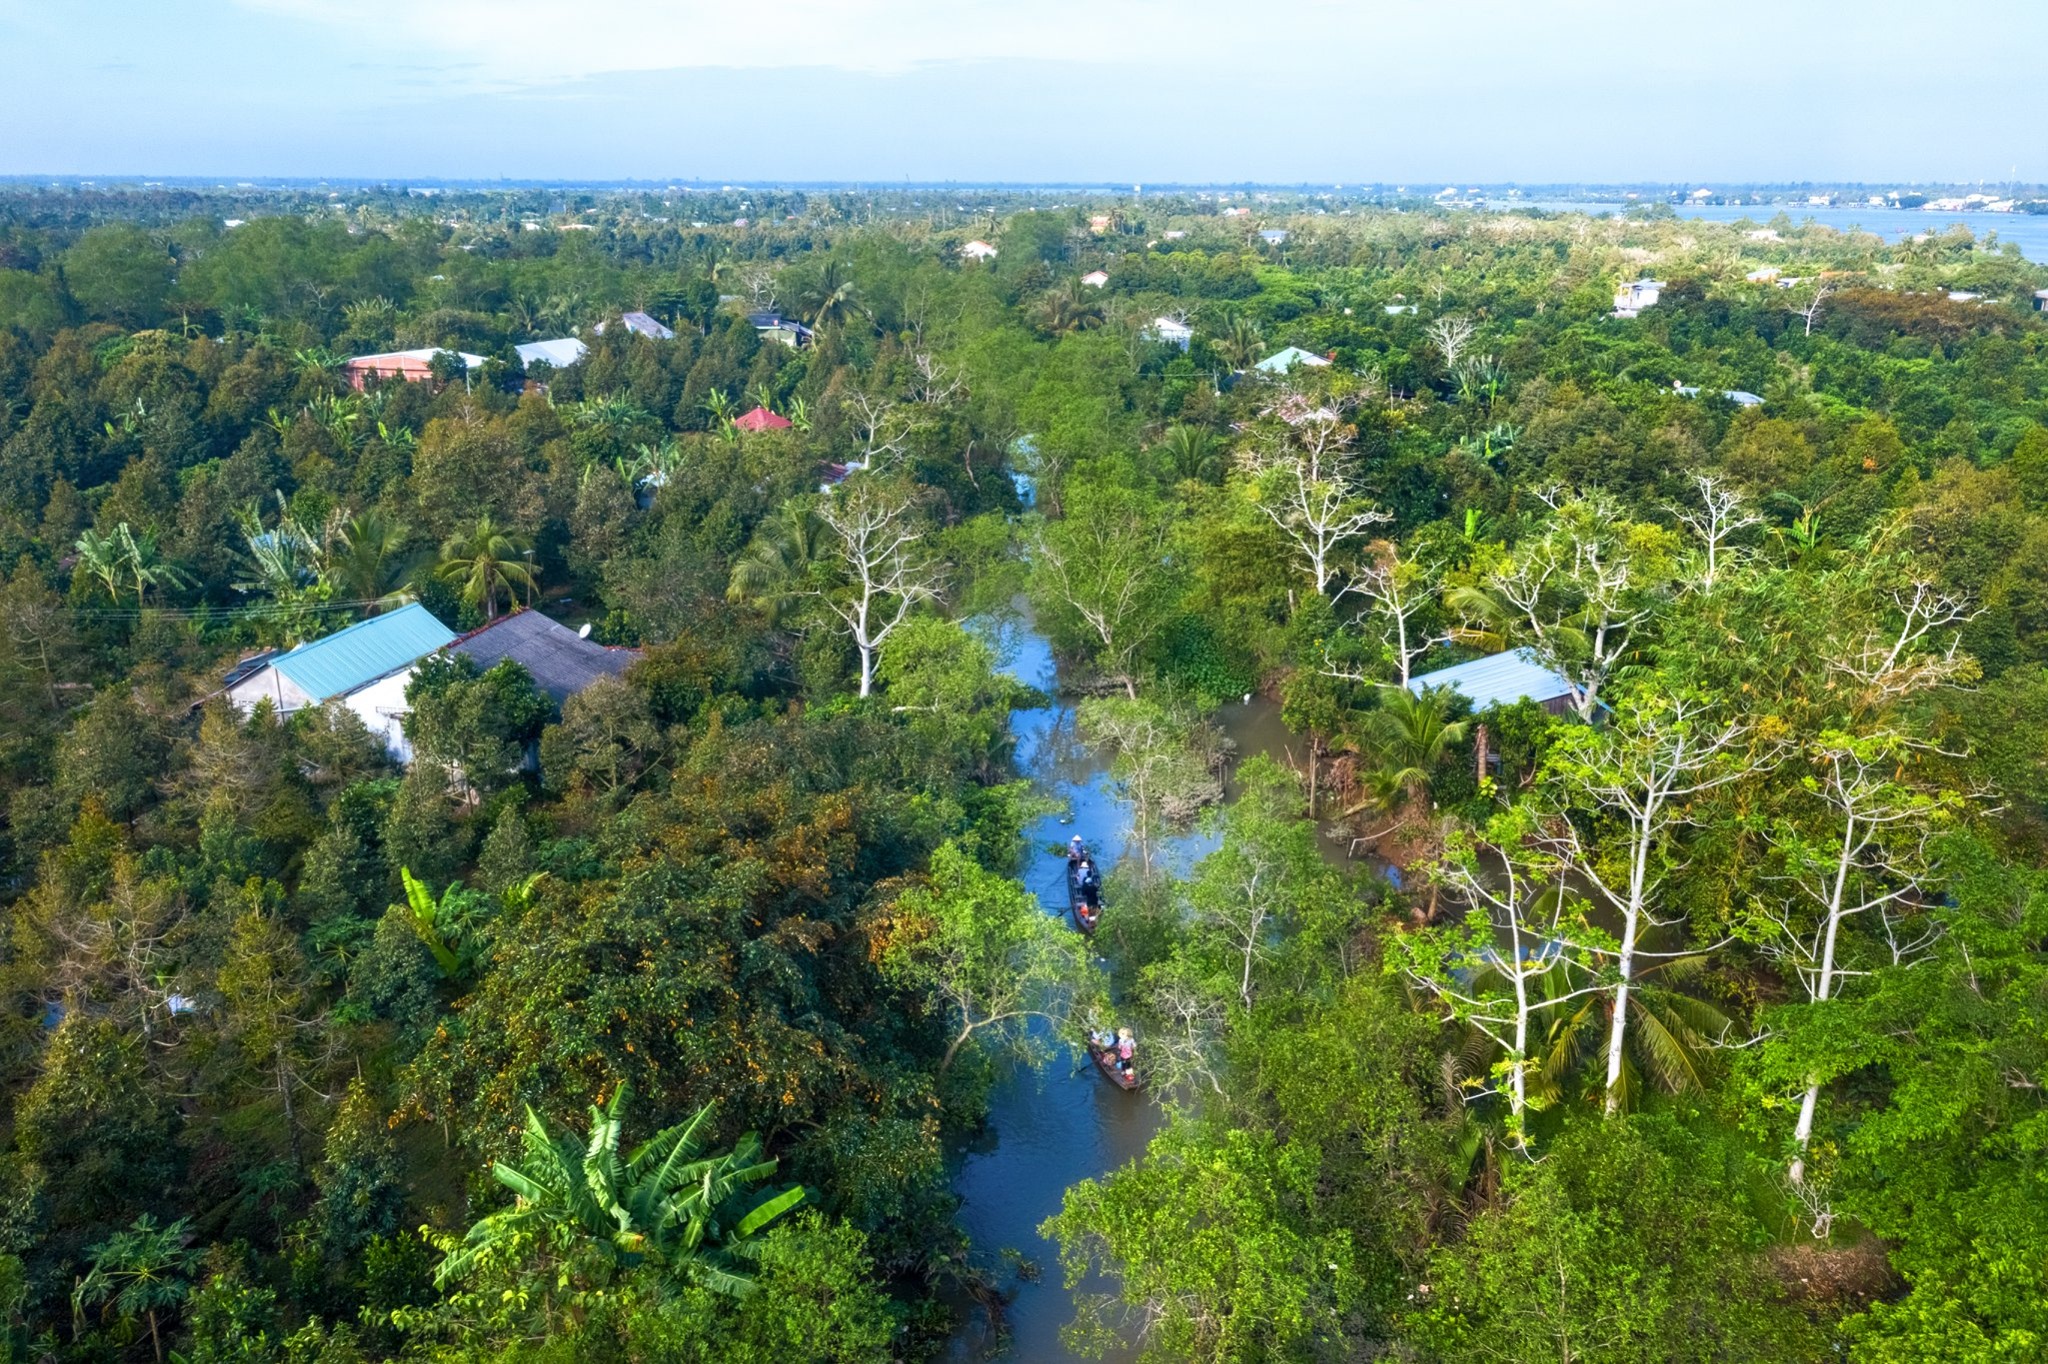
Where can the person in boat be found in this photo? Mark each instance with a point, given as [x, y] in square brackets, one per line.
[1088, 883]
[1126, 1046]
[1076, 851]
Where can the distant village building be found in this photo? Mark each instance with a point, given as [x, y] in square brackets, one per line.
[1171, 331]
[761, 419]
[978, 250]
[1740, 397]
[414, 366]
[1282, 361]
[1095, 279]
[1237, 212]
[2041, 300]
[561, 661]
[1963, 296]
[1099, 222]
[787, 331]
[1175, 235]
[1273, 236]
[560, 353]
[1396, 309]
[1763, 276]
[640, 324]
[1501, 680]
[365, 667]
[1632, 298]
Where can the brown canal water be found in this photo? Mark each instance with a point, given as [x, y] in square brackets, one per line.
[1052, 1127]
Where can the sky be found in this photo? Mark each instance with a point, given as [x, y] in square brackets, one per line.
[1087, 91]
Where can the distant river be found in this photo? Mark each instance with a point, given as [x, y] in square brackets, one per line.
[2029, 231]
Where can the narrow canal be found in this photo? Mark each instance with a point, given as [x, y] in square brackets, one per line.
[1051, 1128]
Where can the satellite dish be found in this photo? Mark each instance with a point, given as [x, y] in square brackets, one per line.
[584, 633]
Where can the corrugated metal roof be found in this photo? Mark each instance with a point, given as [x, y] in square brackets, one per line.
[364, 652]
[1281, 361]
[561, 352]
[424, 355]
[1497, 680]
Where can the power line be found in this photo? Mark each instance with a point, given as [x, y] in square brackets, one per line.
[216, 612]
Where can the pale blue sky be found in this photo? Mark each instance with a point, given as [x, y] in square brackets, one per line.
[1343, 91]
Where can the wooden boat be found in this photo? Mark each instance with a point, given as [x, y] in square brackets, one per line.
[1105, 1061]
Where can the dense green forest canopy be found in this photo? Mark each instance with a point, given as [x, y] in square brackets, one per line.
[1704, 1021]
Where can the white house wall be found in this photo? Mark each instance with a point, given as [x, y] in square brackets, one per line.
[270, 685]
[381, 707]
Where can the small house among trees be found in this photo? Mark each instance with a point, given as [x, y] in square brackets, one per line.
[365, 667]
[561, 352]
[761, 419]
[641, 324]
[1501, 680]
[414, 366]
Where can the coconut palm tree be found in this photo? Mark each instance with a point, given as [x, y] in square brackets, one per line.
[1064, 310]
[483, 559]
[1405, 739]
[776, 567]
[285, 560]
[1241, 343]
[1670, 1038]
[367, 561]
[665, 1203]
[833, 299]
[1192, 452]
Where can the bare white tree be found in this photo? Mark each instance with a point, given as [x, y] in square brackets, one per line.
[1450, 335]
[1578, 591]
[878, 543]
[1110, 570]
[759, 283]
[1398, 591]
[1810, 309]
[1184, 1045]
[1644, 774]
[1154, 766]
[882, 425]
[1866, 853]
[1919, 648]
[937, 383]
[1305, 488]
[1510, 885]
[1723, 513]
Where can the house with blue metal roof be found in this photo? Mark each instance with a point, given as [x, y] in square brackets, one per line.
[1502, 680]
[365, 667]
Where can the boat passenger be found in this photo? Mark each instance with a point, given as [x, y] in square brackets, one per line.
[1125, 1046]
[1088, 881]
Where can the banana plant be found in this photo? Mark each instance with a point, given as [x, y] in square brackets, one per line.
[665, 1203]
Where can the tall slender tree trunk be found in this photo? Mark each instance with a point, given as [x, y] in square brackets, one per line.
[1802, 1132]
[1632, 913]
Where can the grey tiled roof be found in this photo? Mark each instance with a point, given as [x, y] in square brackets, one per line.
[562, 663]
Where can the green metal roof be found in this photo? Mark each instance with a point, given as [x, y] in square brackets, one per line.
[1281, 361]
[364, 652]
